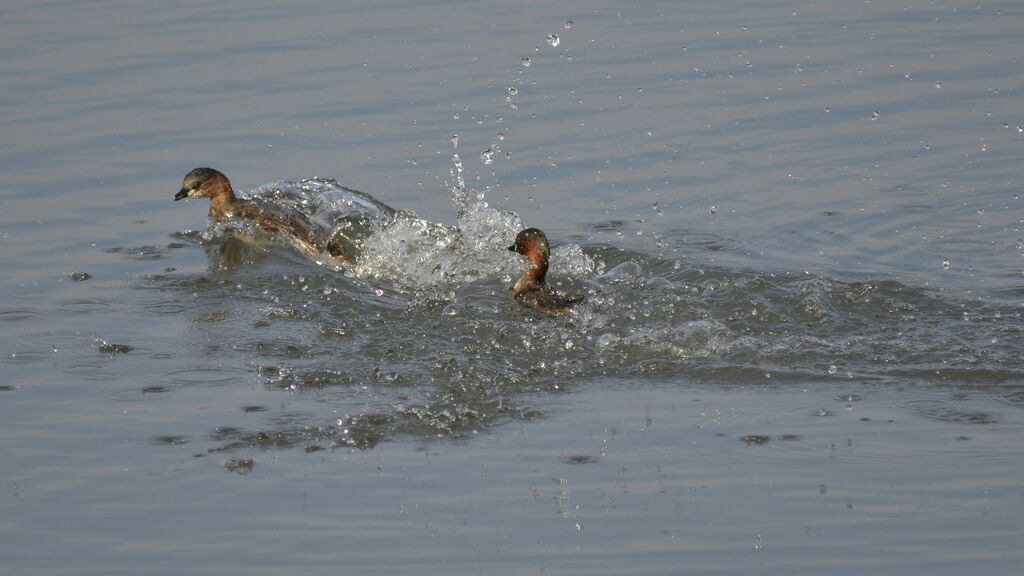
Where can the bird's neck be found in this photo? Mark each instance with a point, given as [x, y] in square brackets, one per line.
[534, 274]
[223, 204]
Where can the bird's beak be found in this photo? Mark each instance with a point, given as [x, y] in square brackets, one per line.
[183, 193]
[512, 248]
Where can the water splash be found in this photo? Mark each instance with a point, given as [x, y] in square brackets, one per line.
[397, 248]
[487, 156]
[457, 188]
[420, 256]
[343, 211]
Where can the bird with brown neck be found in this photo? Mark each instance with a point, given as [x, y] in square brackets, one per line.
[226, 207]
[532, 289]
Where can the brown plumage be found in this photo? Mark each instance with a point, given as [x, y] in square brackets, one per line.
[225, 206]
[531, 289]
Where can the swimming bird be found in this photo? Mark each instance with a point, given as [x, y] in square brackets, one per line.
[531, 289]
[225, 207]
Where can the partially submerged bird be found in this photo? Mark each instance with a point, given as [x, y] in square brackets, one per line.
[225, 207]
[531, 289]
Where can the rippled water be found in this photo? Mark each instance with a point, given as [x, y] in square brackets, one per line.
[799, 230]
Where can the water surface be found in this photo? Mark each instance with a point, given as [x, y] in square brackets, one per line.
[799, 228]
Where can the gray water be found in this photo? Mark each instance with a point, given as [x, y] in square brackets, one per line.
[799, 227]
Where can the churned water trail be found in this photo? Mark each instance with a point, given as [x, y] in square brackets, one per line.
[421, 336]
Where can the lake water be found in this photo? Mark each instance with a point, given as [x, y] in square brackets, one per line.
[800, 227]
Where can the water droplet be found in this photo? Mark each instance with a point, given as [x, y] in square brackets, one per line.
[938, 84]
[714, 209]
[833, 369]
[981, 211]
[512, 90]
[379, 292]
[554, 40]
[526, 61]
[767, 374]
[945, 264]
[487, 156]
[875, 115]
[567, 25]
[455, 140]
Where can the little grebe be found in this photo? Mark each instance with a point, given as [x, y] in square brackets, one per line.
[225, 207]
[531, 289]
